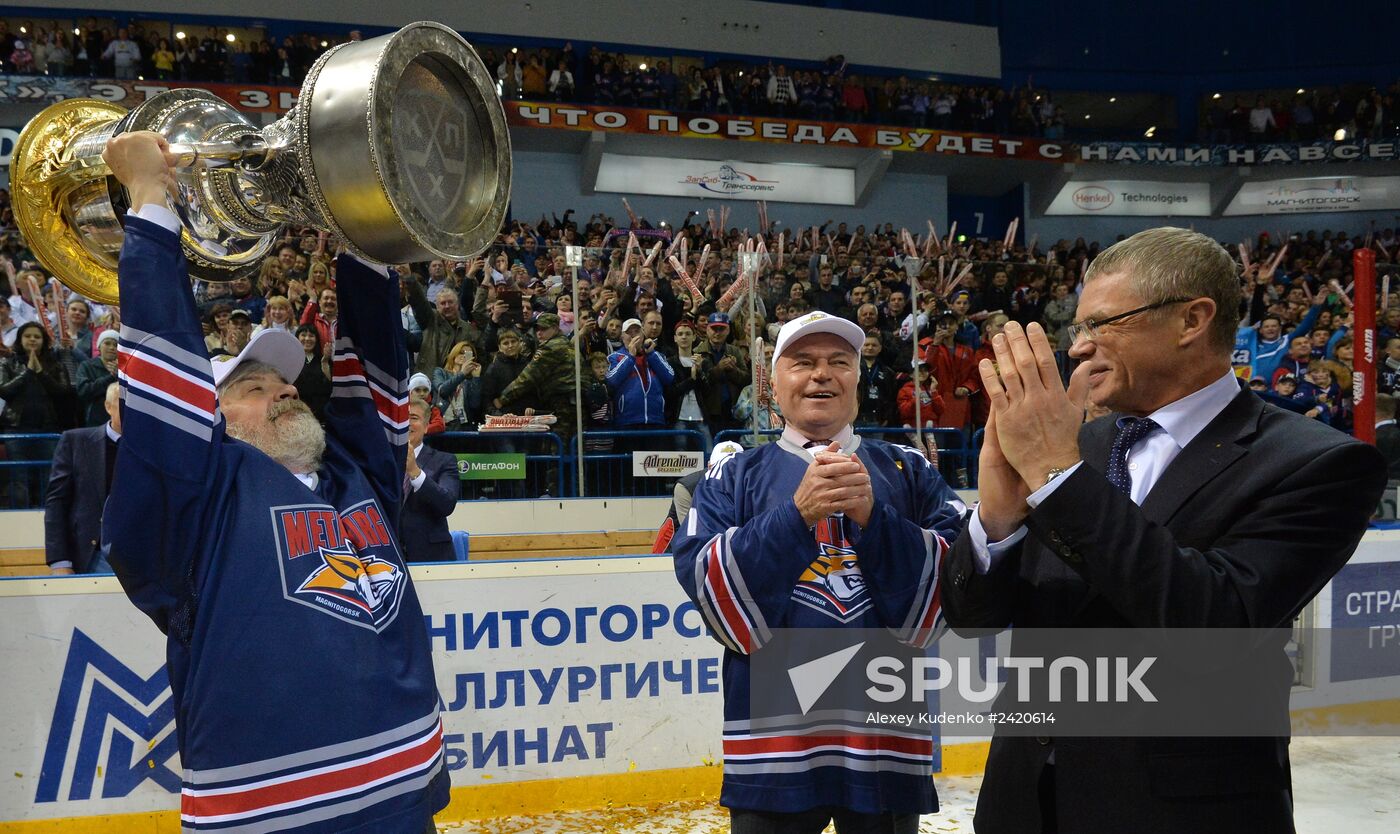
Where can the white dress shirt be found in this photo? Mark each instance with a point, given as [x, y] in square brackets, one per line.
[1180, 422]
[415, 483]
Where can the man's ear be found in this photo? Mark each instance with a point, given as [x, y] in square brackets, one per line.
[1196, 321]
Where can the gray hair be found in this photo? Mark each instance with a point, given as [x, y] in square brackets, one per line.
[1178, 263]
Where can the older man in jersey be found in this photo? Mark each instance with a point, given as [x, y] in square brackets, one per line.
[264, 548]
[823, 529]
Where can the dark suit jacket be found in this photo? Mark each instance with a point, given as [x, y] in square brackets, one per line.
[76, 494]
[1388, 441]
[423, 523]
[1244, 527]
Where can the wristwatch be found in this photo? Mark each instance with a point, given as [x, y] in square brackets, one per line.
[1056, 472]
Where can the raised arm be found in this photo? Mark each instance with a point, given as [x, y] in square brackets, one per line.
[168, 462]
[368, 410]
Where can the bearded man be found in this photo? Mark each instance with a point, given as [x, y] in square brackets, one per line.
[263, 547]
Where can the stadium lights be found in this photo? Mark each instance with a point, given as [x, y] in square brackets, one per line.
[1301, 91]
[179, 36]
[77, 31]
[229, 37]
[1086, 115]
[642, 67]
[741, 73]
[1216, 96]
[1112, 99]
[514, 50]
[325, 44]
[23, 30]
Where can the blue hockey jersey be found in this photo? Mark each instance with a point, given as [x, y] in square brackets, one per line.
[751, 564]
[297, 653]
[1254, 356]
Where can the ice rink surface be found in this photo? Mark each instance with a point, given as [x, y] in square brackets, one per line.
[1340, 786]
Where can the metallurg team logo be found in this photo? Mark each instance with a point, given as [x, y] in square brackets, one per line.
[833, 584]
[346, 565]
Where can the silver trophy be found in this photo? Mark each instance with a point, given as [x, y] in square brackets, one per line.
[398, 146]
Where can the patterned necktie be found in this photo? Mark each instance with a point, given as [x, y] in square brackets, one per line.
[1130, 431]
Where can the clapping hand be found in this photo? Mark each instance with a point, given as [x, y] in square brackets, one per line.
[835, 483]
[1037, 420]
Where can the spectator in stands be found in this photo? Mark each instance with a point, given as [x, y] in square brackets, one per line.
[1318, 388]
[242, 297]
[163, 59]
[322, 314]
[9, 328]
[313, 384]
[277, 315]
[561, 82]
[782, 93]
[458, 386]
[420, 387]
[1388, 372]
[442, 324]
[509, 77]
[683, 408]
[1388, 434]
[547, 382]
[1262, 123]
[79, 480]
[877, 391]
[92, 378]
[504, 368]
[953, 366]
[1261, 347]
[723, 374]
[1059, 313]
[125, 56]
[237, 332]
[433, 490]
[922, 388]
[638, 376]
[534, 78]
[770, 415]
[79, 324]
[38, 400]
[1295, 363]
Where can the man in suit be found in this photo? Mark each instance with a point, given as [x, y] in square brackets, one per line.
[1195, 504]
[79, 481]
[1388, 434]
[431, 494]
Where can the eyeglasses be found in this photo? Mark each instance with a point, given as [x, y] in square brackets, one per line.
[1089, 328]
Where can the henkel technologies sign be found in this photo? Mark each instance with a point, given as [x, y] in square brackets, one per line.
[1132, 198]
[730, 179]
[1316, 194]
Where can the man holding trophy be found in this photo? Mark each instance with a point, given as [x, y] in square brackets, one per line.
[261, 544]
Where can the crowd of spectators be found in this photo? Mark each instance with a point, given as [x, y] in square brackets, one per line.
[1352, 112]
[827, 90]
[497, 334]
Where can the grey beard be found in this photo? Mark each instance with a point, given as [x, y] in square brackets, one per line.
[290, 435]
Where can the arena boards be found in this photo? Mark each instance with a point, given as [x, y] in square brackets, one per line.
[566, 684]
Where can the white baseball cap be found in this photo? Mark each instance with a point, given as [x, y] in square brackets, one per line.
[724, 450]
[631, 323]
[818, 322]
[277, 348]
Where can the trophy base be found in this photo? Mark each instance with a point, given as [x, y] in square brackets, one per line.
[40, 178]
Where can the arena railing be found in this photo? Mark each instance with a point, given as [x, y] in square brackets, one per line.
[23, 483]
